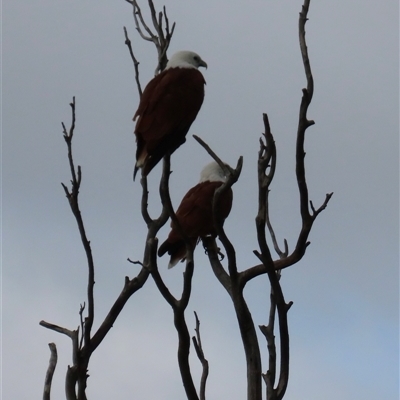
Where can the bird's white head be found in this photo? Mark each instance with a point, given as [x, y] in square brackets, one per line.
[186, 59]
[212, 173]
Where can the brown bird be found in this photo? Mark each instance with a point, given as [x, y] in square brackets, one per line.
[195, 214]
[168, 106]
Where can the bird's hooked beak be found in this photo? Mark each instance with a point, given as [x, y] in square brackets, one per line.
[203, 64]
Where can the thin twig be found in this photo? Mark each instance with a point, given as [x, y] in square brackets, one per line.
[225, 167]
[266, 165]
[161, 38]
[145, 201]
[137, 262]
[200, 354]
[68, 138]
[135, 61]
[137, 15]
[266, 172]
[322, 207]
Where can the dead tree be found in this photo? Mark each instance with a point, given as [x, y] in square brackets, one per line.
[234, 281]
[85, 342]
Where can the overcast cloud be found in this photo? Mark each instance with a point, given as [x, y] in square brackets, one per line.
[344, 321]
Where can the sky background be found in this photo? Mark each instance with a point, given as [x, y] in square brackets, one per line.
[344, 322]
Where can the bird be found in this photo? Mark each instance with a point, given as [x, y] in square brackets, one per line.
[195, 214]
[168, 106]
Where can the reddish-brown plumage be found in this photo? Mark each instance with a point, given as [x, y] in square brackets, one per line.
[195, 218]
[167, 109]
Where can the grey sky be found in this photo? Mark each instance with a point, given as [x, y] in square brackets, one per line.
[344, 321]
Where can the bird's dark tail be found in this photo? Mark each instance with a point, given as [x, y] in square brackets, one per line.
[135, 172]
[147, 166]
[150, 163]
[177, 251]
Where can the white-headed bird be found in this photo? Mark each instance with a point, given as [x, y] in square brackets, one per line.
[195, 214]
[168, 106]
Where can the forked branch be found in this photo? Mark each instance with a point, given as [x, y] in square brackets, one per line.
[162, 35]
[266, 173]
[268, 265]
[307, 218]
[178, 306]
[233, 284]
[72, 196]
[82, 349]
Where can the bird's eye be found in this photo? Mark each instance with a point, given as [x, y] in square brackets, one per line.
[196, 58]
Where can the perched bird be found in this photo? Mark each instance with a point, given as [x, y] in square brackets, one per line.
[168, 106]
[195, 214]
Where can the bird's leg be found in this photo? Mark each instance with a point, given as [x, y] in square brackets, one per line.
[209, 244]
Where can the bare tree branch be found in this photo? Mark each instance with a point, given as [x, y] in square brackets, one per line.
[72, 372]
[200, 354]
[80, 373]
[70, 382]
[211, 248]
[167, 203]
[135, 61]
[50, 371]
[268, 332]
[304, 123]
[156, 22]
[73, 201]
[139, 22]
[265, 172]
[278, 392]
[268, 265]
[218, 221]
[307, 218]
[161, 38]
[162, 287]
[267, 162]
[131, 286]
[225, 167]
[58, 329]
[77, 373]
[234, 284]
[145, 201]
[82, 308]
[178, 306]
[183, 354]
